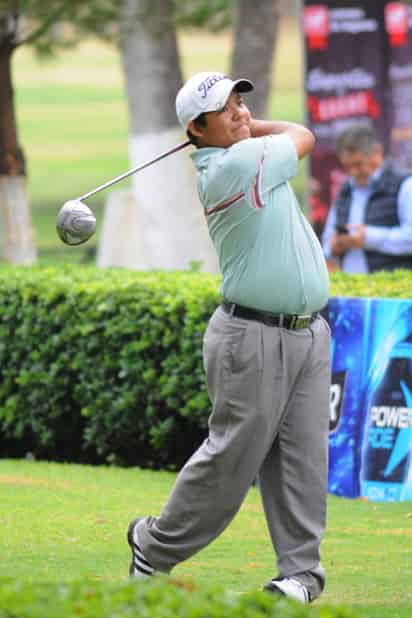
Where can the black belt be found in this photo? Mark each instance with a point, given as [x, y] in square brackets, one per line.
[284, 320]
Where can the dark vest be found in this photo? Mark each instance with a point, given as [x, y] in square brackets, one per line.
[381, 209]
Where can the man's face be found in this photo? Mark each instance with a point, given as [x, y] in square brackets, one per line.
[360, 165]
[226, 126]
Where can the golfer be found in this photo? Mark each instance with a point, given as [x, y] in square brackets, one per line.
[266, 348]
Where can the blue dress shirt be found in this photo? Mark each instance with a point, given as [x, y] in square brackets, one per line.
[393, 240]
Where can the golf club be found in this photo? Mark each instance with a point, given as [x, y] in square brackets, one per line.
[76, 222]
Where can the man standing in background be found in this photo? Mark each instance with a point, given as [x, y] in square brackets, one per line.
[369, 226]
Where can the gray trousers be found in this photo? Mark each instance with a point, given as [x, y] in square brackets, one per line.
[270, 393]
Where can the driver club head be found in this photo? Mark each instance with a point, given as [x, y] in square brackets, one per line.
[75, 223]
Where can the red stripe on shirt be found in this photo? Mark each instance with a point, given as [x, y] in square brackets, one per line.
[225, 204]
[257, 200]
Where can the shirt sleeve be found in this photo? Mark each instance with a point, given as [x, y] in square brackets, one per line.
[260, 163]
[395, 240]
[252, 167]
[279, 161]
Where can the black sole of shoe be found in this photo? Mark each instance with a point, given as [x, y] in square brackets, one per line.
[274, 590]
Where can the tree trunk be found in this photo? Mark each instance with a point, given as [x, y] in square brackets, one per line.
[17, 238]
[151, 63]
[253, 49]
[172, 226]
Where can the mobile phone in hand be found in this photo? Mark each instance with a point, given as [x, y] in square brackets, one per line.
[341, 229]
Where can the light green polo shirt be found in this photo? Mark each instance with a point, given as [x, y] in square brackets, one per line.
[269, 256]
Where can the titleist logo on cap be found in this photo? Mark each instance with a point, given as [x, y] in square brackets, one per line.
[208, 83]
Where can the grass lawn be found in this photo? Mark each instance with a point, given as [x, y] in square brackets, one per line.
[73, 118]
[64, 522]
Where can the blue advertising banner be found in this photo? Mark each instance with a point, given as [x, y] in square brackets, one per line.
[370, 444]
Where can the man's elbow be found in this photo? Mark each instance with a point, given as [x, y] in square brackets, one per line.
[312, 140]
[306, 143]
[303, 139]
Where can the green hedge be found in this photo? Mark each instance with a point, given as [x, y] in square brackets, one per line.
[159, 598]
[106, 365]
[103, 365]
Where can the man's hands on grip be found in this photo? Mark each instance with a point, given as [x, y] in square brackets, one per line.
[355, 239]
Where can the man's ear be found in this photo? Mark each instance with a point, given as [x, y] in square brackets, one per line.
[378, 152]
[194, 129]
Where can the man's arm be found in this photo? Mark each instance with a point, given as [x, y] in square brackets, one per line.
[303, 139]
[329, 240]
[329, 232]
[396, 240]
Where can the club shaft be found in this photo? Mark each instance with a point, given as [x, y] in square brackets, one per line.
[109, 183]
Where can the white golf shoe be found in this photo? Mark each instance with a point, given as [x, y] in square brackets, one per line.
[289, 587]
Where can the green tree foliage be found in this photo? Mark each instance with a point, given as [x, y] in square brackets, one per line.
[213, 14]
[35, 21]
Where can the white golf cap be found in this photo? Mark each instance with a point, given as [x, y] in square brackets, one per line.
[206, 92]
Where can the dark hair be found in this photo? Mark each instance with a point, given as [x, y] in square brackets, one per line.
[357, 138]
[201, 122]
